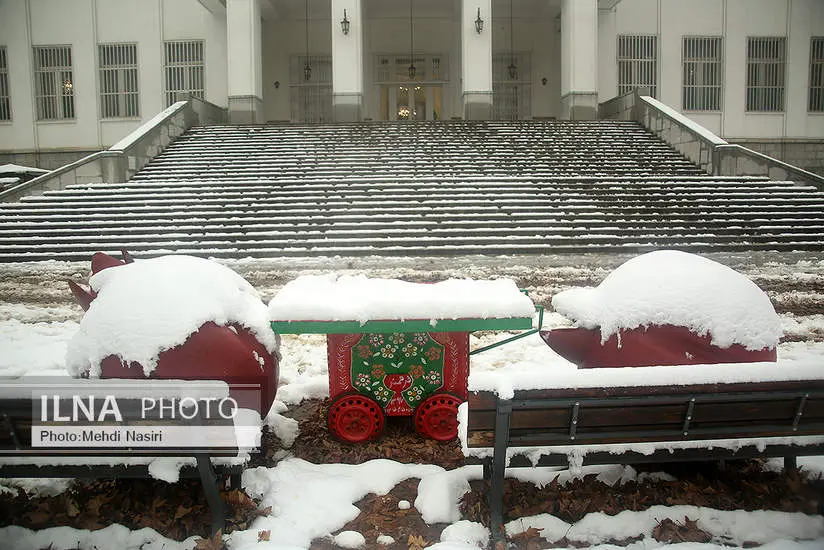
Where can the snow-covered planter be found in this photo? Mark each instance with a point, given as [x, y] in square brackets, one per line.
[667, 308]
[175, 317]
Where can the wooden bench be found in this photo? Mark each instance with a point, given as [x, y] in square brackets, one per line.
[694, 418]
[19, 458]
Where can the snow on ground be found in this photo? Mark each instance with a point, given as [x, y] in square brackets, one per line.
[37, 320]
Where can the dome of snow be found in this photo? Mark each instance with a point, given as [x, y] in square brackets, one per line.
[676, 288]
[149, 306]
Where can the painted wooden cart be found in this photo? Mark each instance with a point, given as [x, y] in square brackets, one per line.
[398, 368]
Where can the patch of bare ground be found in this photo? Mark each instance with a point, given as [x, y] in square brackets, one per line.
[178, 510]
[383, 515]
[399, 442]
[799, 304]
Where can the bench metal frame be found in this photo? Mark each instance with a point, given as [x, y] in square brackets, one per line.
[494, 467]
[210, 475]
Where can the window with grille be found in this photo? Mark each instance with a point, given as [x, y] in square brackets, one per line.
[311, 100]
[702, 73]
[118, 80]
[511, 86]
[637, 63]
[183, 66]
[5, 95]
[766, 61]
[53, 82]
[393, 69]
[816, 99]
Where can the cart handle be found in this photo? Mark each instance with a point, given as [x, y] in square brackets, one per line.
[539, 309]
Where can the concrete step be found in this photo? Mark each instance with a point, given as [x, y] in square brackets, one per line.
[415, 189]
[416, 247]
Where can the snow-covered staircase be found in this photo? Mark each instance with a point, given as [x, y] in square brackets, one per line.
[415, 189]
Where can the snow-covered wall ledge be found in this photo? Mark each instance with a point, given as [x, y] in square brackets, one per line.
[152, 137]
[712, 153]
[126, 157]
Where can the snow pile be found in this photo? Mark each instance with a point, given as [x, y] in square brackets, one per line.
[736, 527]
[358, 298]
[668, 287]
[149, 306]
[465, 531]
[350, 539]
[310, 501]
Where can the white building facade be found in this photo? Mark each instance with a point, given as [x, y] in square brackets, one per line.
[77, 75]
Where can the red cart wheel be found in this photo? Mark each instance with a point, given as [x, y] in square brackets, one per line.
[354, 418]
[437, 417]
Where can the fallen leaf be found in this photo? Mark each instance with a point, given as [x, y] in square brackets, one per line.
[672, 532]
[181, 511]
[71, 508]
[530, 533]
[214, 543]
[416, 542]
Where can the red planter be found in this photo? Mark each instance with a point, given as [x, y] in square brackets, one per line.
[655, 345]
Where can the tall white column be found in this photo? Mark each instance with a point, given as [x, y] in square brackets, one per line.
[579, 59]
[347, 61]
[476, 59]
[243, 36]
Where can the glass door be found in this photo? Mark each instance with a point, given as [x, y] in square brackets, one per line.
[408, 95]
[411, 102]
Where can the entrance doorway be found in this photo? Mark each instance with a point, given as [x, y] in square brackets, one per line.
[410, 95]
[411, 101]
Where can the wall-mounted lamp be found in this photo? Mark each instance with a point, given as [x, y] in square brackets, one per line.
[513, 68]
[307, 68]
[479, 23]
[543, 81]
[277, 84]
[344, 23]
[412, 70]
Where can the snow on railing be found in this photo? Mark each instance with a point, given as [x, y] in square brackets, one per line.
[710, 152]
[94, 168]
[125, 158]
